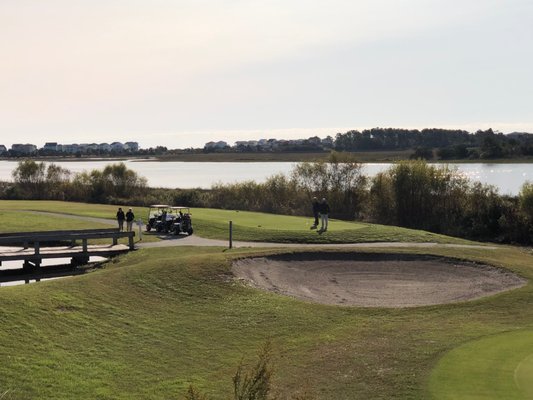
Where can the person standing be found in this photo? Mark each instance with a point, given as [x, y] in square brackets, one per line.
[323, 210]
[316, 206]
[120, 219]
[130, 216]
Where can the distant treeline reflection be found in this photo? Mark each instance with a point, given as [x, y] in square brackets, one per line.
[410, 194]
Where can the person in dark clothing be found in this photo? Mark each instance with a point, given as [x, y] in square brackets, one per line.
[120, 219]
[323, 210]
[316, 206]
[130, 216]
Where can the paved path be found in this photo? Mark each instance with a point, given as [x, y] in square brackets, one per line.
[199, 241]
[194, 240]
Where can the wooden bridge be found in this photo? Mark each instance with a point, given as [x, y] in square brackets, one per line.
[33, 247]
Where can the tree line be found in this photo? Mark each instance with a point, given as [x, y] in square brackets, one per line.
[410, 194]
[448, 144]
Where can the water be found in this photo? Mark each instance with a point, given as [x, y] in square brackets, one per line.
[508, 178]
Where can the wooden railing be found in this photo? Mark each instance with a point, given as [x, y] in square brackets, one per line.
[35, 240]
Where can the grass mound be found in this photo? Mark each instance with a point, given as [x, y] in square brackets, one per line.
[495, 367]
[155, 321]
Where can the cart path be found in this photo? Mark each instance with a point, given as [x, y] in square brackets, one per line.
[194, 240]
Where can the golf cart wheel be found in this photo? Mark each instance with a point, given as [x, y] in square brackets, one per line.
[190, 231]
[148, 228]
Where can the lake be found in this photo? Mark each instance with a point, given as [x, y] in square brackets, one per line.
[174, 174]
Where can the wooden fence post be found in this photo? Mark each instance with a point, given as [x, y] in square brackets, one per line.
[231, 234]
[130, 240]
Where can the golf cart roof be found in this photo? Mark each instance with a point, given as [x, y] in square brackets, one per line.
[159, 206]
[180, 208]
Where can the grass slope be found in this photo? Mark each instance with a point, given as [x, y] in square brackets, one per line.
[156, 320]
[17, 221]
[21, 221]
[252, 226]
[497, 367]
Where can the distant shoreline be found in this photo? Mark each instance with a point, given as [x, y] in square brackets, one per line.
[363, 157]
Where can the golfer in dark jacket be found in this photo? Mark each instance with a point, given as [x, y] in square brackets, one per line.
[316, 206]
[323, 209]
[120, 219]
[129, 220]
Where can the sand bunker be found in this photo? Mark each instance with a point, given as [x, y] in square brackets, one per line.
[374, 280]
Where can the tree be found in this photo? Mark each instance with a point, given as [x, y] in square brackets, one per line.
[417, 195]
[490, 148]
[114, 182]
[422, 153]
[482, 212]
[340, 179]
[525, 198]
[30, 178]
[57, 181]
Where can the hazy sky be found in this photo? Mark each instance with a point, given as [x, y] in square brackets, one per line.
[180, 73]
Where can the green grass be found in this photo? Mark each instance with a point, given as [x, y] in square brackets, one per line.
[16, 221]
[16, 216]
[22, 221]
[494, 367]
[82, 209]
[153, 322]
[251, 226]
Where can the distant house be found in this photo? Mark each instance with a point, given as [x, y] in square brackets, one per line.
[50, 147]
[92, 147]
[3, 149]
[241, 144]
[83, 148]
[117, 146]
[104, 147]
[328, 142]
[89, 148]
[23, 148]
[213, 146]
[71, 148]
[314, 141]
[132, 146]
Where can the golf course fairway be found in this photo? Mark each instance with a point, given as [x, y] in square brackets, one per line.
[495, 367]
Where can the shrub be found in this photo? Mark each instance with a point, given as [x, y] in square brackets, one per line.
[526, 200]
[340, 179]
[252, 384]
[417, 195]
[256, 383]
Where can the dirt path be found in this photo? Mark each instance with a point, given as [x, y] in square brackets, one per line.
[195, 240]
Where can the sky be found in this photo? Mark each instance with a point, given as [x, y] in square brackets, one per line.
[180, 73]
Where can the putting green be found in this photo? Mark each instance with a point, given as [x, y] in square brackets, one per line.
[496, 367]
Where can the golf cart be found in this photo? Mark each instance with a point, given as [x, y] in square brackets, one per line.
[156, 214]
[182, 222]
